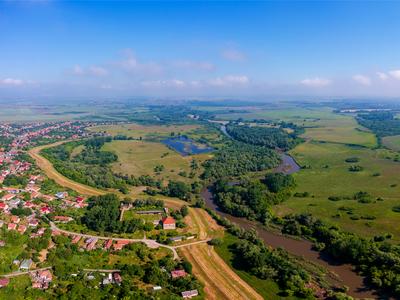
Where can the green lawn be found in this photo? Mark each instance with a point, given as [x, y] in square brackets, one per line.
[266, 288]
[329, 176]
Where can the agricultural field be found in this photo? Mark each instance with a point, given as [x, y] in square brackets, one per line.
[141, 158]
[327, 174]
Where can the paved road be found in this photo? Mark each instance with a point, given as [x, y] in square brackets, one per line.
[15, 274]
[149, 243]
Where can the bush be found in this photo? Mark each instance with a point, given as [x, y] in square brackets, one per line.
[352, 160]
[355, 168]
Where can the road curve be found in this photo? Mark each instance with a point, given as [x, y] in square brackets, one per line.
[52, 173]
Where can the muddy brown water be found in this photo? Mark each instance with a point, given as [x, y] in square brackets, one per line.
[303, 248]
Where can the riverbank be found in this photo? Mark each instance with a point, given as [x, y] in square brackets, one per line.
[340, 273]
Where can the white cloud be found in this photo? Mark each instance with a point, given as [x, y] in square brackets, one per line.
[11, 82]
[229, 80]
[92, 71]
[382, 76]
[316, 82]
[233, 55]
[194, 65]
[395, 74]
[175, 83]
[362, 79]
[98, 71]
[131, 64]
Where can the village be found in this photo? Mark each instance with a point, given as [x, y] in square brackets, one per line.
[32, 206]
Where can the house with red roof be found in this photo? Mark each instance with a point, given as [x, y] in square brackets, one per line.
[3, 206]
[15, 219]
[4, 282]
[62, 219]
[120, 244]
[45, 210]
[11, 226]
[108, 244]
[21, 229]
[8, 197]
[168, 223]
[178, 273]
[76, 239]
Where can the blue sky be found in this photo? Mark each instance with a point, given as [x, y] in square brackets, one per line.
[210, 49]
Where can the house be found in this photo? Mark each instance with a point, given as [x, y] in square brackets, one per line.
[176, 239]
[45, 210]
[61, 195]
[26, 264]
[62, 219]
[11, 226]
[76, 239]
[2, 243]
[15, 219]
[178, 273]
[190, 294]
[21, 229]
[1, 223]
[168, 223]
[35, 195]
[117, 278]
[41, 279]
[108, 244]
[33, 223]
[107, 280]
[4, 282]
[3, 206]
[14, 202]
[120, 244]
[156, 288]
[8, 197]
[28, 204]
[47, 198]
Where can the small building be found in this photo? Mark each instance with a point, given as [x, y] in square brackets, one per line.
[108, 244]
[156, 288]
[2, 243]
[176, 239]
[33, 223]
[15, 219]
[76, 239]
[3, 206]
[21, 229]
[8, 197]
[11, 226]
[178, 273]
[1, 223]
[120, 244]
[117, 278]
[45, 210]
[4, 282]
[26, 264]
[62, 219]
[168, 223]
[61, 195]
[190, 294]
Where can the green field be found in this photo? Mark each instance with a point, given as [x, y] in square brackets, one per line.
[137, 131]
[140, 158]
[392, 142]
[328, 175]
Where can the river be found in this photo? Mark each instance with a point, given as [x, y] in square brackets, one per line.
[303, 248]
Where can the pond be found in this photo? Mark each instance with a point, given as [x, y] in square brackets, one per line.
[186, 146]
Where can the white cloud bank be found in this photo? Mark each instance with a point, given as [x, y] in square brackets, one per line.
[11, 82]
[395, 74]
[316, 82]
[229, 80]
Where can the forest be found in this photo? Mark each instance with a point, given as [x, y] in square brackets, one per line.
[270, 137]
[382, 123]
[237, 159]
[253, 199]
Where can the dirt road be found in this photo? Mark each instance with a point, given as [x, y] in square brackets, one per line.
[52, 173]
[220, 281]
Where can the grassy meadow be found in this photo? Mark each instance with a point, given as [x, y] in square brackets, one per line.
[392, 142]
[328, 175]
[140, 158]
[144, 131]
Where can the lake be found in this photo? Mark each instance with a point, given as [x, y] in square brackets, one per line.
[186, 146]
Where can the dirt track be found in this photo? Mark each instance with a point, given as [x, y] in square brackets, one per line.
[220, 281]
[52, 173]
